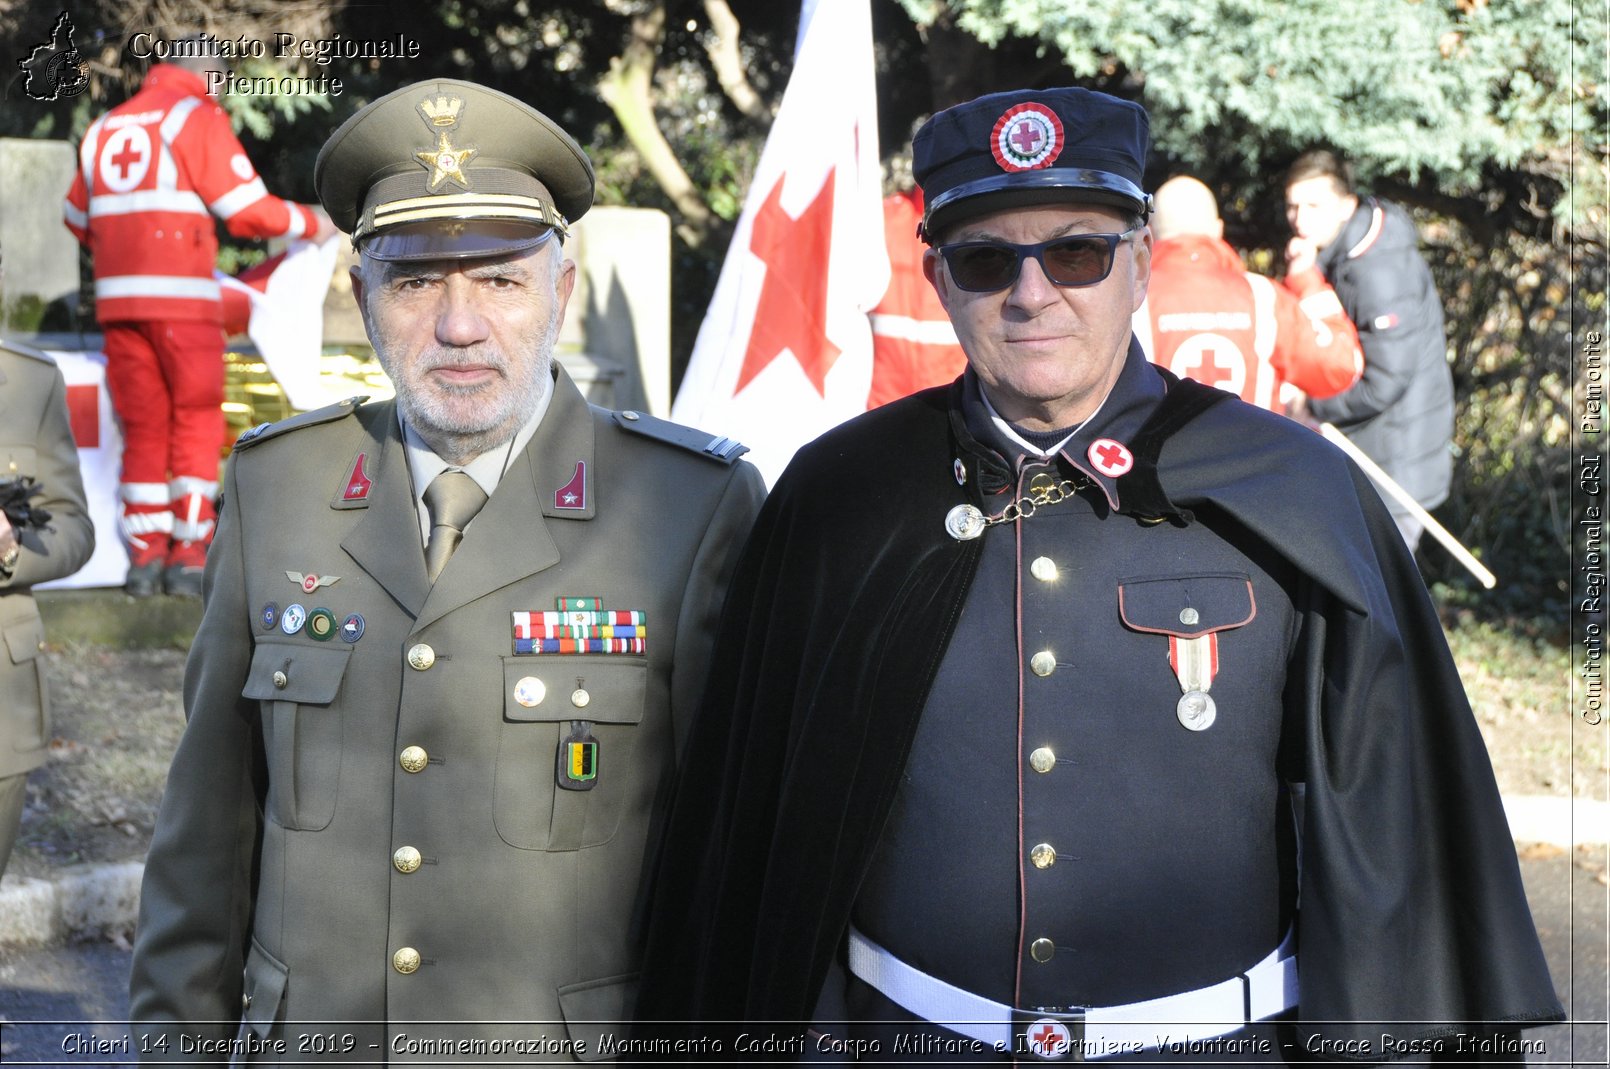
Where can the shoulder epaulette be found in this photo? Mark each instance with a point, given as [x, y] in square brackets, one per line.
[264, 431]
[28, 351]
[713, 446]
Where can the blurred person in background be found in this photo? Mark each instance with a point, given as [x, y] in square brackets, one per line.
[1400, 412]
[1208, 318]
[154, 173]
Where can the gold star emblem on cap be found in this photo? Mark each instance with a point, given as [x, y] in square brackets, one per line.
[446, 163]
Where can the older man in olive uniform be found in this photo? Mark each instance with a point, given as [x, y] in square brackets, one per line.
[448, 648]
[36, 442]
[1011, 772]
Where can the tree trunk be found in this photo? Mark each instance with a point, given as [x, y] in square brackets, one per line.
[728, 62]
[628, 89]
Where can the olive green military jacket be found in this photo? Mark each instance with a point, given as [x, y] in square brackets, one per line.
[35, 440]
[388, 833]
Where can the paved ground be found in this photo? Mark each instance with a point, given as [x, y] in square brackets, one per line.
[59, 1000]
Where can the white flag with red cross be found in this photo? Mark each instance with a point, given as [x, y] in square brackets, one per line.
[785, 350]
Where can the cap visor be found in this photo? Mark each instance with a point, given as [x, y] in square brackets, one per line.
[454, 239]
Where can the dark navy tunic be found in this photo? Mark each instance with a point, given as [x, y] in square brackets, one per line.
[1060, 839]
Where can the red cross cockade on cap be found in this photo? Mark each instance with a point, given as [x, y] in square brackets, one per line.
[1110, 457]
[1027, 137]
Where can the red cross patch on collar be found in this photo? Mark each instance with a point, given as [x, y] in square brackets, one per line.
[1110, 457]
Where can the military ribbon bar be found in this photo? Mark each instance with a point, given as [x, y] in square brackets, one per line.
[580, 645]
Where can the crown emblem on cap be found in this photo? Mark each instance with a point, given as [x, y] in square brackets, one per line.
[443, 111]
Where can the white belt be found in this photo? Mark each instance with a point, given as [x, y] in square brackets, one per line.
[1268, 988]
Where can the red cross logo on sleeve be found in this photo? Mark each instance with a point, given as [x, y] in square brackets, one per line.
[1111, 458]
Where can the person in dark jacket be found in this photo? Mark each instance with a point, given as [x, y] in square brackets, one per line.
[1019, 681]
[1401, 412]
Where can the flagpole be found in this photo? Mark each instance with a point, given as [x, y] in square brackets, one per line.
[1401, 496]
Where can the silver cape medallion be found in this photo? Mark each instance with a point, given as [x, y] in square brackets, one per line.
[964, 522]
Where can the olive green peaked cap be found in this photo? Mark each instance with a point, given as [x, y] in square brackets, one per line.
[449, 169]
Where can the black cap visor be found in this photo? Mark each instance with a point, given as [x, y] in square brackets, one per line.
[454, 239]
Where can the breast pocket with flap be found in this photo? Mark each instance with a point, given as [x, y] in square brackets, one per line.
[301, 733]
[566, 748]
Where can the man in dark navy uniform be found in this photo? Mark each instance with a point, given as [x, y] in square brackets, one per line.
[1002, 750]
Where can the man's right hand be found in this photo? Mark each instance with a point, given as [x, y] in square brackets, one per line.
[1301, 255]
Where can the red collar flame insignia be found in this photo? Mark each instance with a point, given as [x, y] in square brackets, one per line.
[573, 495]
[358, 483]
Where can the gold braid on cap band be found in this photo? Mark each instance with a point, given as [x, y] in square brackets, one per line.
[461, 206]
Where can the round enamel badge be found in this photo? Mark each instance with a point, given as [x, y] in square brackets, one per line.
[1027, 137]
[1111, 458]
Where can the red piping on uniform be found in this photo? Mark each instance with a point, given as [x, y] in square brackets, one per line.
[1022, 887]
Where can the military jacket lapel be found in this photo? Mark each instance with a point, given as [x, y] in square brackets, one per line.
[385, 543]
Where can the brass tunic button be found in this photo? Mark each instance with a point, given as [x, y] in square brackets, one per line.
[1042, 759]
[1189, 616]
[1042, 950]
[406, 960]
[1043, 856]
[579, 698]
[413, 759]
[1044, 569]
[245, 1002]
[421, 657]
[1043, 663]
[406, 859]
[280, 680]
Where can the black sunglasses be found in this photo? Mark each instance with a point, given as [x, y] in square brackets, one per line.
[1074, 260]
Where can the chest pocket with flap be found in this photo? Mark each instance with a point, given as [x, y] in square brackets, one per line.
[1186, 606]
[544, 698]
[301, 733]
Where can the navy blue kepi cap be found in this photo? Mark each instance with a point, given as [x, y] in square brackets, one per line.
[1046, 146]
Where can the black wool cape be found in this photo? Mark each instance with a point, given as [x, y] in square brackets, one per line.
[1413, 922]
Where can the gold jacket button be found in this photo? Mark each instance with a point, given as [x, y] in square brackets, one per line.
[1042, 950]
[1043, 856]
[1043, 663]
[280, 680]
[1044, 569]
[413, 759]
[1042, 759]
[421, 657]
[406, 859]
[405, 960]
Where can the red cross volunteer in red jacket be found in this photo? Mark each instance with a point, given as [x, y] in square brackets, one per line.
[153, 172]
[1211, 320]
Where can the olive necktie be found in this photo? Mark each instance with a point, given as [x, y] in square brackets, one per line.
[452, 499]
